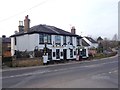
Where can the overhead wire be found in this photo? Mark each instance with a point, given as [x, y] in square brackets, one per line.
[41, 3]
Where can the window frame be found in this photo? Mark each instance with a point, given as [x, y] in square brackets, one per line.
[57, 53]
[57, 39]
[61, 54]
[44, 37]
[71, 53]
[54, 55]
[49, 39]
[64, 40]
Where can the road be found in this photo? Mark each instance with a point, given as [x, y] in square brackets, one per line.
[0, 72]
[86, 74]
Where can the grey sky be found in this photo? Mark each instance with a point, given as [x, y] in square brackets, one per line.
[90, 17]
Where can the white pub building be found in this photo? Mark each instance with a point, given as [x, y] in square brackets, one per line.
[62, 45]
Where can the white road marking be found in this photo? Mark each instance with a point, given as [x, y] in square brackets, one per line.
[26, 74]
[109, 72]
[115, 70]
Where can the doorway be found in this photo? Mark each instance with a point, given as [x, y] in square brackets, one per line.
[57, 53]
[65, 54]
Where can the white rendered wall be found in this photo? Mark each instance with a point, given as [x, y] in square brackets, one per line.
[12, 46]
[29, 42]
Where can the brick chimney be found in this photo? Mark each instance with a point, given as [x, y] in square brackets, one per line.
[73, 30]
[21, 27]
[26, 24]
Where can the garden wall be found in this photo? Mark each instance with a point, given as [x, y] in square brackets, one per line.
[27, 62]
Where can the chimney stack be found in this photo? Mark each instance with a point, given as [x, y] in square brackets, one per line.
[3, 36]
[73, 30]
[26, 24]
[21, 27]
[15, 32]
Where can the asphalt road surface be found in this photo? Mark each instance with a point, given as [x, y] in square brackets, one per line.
[86, 74]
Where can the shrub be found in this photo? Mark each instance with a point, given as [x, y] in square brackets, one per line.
[7, 61]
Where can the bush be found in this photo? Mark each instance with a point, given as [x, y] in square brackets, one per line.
[7, 61]
[101, 55]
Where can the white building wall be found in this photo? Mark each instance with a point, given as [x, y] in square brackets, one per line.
[12, 46]
[33, 41]
[74, 41]
[29, 42]
[53, 50]
[95, 45]
[61, 40]
[61, 50]
[53, 39]
[67, 39]
[91, 44]
[67, 46]
[75, 46]
[25, 42]
[22, 43]
[68, 53]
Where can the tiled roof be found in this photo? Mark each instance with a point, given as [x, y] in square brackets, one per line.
[46, 29]
[91, 40]
[99, 38]
[84, 43]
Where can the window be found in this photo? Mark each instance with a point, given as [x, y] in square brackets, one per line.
[64, 40]
[57, 54]
[15, 40]
[61, 53]
[83, 53]
[44, 38]
[53, 54]
[71, 53]
[57, 40]
[41, 38]
[8, 45]
[74, 52]
[49, 38]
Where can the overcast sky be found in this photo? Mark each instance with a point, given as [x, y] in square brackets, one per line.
[90, 17]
